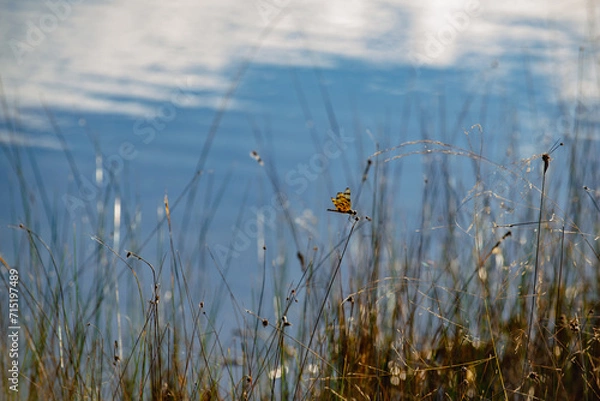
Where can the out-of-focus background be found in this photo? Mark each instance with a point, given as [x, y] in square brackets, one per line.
[109, 106]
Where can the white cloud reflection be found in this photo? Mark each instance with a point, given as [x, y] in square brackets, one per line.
[27, 141]
[117, 56]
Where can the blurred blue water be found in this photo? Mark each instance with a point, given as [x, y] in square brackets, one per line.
[314, 90]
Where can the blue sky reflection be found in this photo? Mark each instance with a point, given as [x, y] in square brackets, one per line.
[141, 83]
